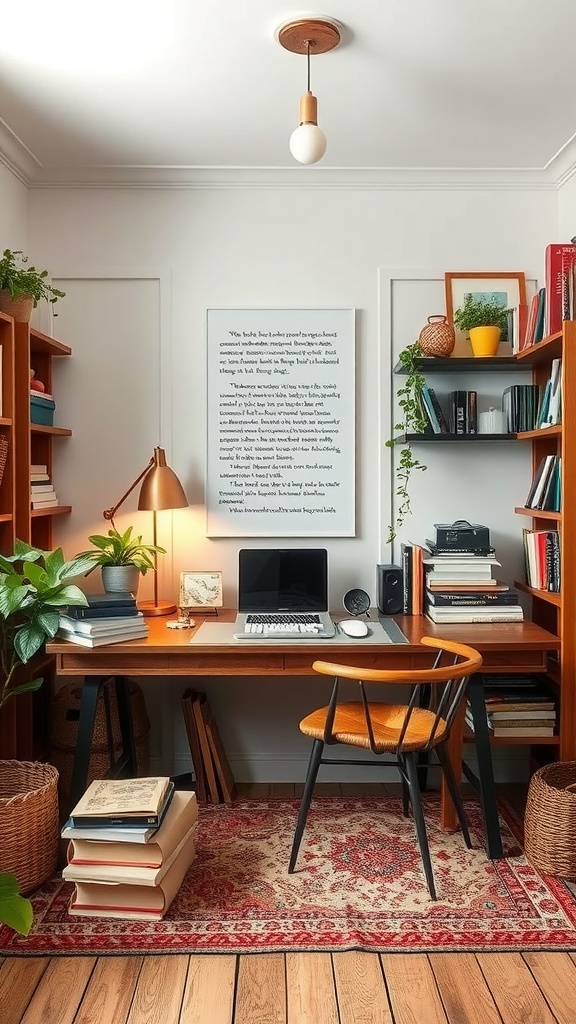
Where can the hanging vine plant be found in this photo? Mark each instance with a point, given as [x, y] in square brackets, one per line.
[412, 421]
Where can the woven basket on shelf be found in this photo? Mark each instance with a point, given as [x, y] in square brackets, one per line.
[437, 337]
[29, 817]
[550, 820]
[106, 738]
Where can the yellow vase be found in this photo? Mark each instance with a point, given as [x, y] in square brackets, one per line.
[484, 340]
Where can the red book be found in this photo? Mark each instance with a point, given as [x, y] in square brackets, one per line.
[559, 260]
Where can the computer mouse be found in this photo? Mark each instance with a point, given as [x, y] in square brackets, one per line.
[353, 627]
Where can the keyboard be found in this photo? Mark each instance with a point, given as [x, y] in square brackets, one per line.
[293, 626]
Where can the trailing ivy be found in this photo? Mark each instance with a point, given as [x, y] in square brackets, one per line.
[412, 421]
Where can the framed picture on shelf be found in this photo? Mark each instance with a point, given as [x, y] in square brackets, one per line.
[200, 590]
[504, 288]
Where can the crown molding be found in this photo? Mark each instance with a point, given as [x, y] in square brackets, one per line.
[29, 170]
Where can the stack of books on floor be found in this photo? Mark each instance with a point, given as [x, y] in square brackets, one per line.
[106, 619]
[131, 842]
[460, 585]
[42, 493]
[517, 706]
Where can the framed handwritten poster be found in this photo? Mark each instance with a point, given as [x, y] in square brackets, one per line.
[281, 390]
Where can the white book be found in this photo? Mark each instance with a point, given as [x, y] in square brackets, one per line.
[102, 627]
[49, 503]
[101, 641]
[447, 576]
[460, 561]
[435, 615]
[133, 874]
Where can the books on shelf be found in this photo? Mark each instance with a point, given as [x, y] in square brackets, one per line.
[542, 559]
[135, 802]
[560, 270]
[535, 728]
[517, 706]
[482, 598]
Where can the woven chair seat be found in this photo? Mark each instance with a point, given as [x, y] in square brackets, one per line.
[387, 722]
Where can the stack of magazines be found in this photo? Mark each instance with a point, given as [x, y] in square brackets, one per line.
[131, 842]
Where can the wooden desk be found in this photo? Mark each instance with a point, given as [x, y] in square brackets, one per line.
[505, 647]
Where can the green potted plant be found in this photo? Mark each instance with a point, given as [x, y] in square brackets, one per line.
[22, 285]
[412, 421]
[34, 586]
[122, 558]
[484, 321]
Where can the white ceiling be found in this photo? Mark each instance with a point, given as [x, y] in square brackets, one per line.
[178, 91]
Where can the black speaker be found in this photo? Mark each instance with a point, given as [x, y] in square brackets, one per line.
[389, 588]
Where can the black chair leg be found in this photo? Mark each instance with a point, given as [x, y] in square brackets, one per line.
[419, 823]
[313, 766]
[454, 793]
[405, 796]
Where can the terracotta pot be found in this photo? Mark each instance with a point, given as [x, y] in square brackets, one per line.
[20, 308]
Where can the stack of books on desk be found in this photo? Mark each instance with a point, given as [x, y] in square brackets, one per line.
[131, 842]
[106, 619]
[517, 706]
[460, 587]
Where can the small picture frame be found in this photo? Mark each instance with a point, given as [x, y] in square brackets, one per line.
[200, 590]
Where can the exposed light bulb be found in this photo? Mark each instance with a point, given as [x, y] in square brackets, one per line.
[308, 144]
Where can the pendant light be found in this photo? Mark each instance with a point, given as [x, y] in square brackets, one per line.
[308, 35]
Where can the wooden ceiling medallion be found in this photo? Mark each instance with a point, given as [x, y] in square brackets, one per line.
[321, 34]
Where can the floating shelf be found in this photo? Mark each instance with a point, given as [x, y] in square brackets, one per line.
[460, 438]
[464, 364]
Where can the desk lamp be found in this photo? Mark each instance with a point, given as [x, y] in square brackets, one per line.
[161, 489]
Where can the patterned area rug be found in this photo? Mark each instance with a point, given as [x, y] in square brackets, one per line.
[358, 885]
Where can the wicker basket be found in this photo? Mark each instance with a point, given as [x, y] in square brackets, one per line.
[106, 738]
[438, 337]
[30, 826]
[550, 820]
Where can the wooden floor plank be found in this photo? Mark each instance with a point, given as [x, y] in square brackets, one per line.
[209, 991]
[360, 989]
[311, 997]
[261, 989]
[109, 994]
[60, 991]
[463, 990]
[513, 989]
[18, 981]
[159, 990]
[555, 975]
[411, 987]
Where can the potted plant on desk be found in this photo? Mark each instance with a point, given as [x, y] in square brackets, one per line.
[34, 587]
[122, 558]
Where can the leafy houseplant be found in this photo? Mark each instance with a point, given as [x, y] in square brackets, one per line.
[116, 548]
[480, 313]
[19, 278]
[34, 587]
[413, 421]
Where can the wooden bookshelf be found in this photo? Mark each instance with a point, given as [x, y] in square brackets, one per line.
[557, 612]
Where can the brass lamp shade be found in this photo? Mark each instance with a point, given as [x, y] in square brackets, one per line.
[161, 488]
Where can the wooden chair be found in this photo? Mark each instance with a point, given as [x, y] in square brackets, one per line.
[421, 725]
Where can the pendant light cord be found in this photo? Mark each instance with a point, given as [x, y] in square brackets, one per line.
[308, 59]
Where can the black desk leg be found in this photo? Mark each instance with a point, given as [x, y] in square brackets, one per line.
[126, 763]
[129, 766]
[485, 769]
[88, 701]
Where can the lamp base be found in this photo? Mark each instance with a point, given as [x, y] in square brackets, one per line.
[156, 607]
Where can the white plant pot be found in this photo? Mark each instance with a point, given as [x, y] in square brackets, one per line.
[120, 577]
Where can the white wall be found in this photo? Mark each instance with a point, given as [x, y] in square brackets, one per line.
[137, 376]
[14, 199]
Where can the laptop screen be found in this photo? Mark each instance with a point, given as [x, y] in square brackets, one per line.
[282, 579]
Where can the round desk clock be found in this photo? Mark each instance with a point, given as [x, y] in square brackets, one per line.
[356, 602]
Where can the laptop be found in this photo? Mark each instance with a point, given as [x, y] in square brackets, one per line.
[283, 594]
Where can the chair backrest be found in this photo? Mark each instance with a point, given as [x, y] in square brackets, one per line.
[439, 688]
